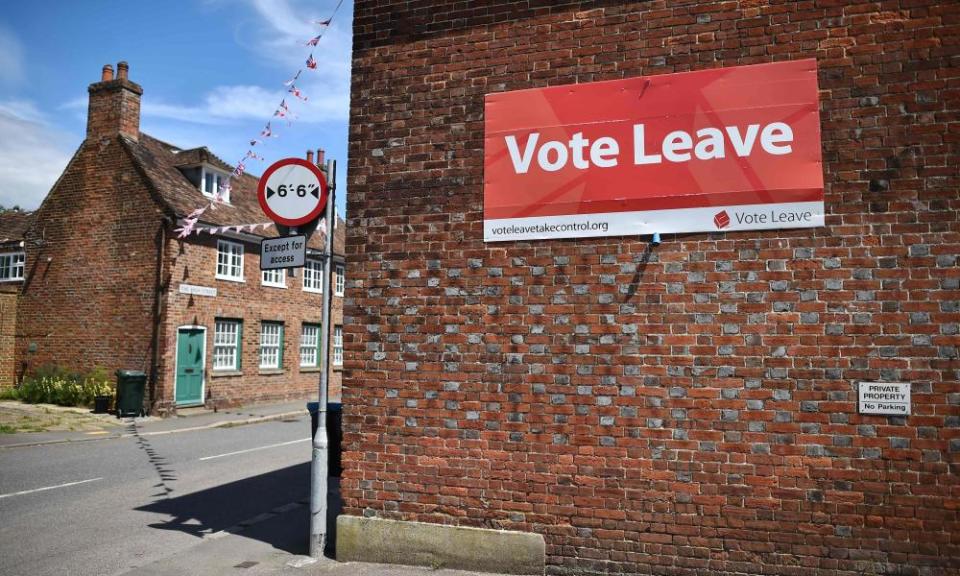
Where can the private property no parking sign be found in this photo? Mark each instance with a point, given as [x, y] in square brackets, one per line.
[292, 192]
[724, 149]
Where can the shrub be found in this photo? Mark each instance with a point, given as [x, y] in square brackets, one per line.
[54, 385]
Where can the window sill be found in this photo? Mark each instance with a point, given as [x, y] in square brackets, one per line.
[264, 284]
[225, 373]
[271, 371]
[309, 369]
[11, 279]
[313, 290]
[231, 279]
[338, 367]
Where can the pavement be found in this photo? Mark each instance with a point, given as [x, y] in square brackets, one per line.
[207, 493]
[187, 420]
[274, 544]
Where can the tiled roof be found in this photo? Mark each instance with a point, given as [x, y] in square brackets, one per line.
[161, 163]
[13, 224]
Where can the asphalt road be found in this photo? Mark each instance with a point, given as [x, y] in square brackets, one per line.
[104, 507]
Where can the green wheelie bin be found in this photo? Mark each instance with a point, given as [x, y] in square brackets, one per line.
[130, 389]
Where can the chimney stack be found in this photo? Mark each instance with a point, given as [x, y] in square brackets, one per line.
[320, 157]
[310, 156]
[114, 107]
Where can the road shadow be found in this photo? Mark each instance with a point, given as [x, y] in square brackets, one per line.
[165, 473]
[239, 507]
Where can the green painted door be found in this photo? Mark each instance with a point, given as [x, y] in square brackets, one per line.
[190, 356]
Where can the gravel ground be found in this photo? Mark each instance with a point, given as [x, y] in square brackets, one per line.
[19, 417]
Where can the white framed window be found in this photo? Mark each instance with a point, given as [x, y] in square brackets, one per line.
[313, 276]
[229, 261]
[338, 345]
[310, 346]
[271, 345]
[211, 183]
[226, 344]
[338, 290]
[275, 278]
[11, 266]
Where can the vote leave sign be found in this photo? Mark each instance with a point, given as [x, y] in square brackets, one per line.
[725, 149]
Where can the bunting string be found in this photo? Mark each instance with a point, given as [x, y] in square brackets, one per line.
[282, 111]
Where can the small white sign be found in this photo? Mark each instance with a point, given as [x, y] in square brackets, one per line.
[197, 290]
[283, 252]
[891, 398]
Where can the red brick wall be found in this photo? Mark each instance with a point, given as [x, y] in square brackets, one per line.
[90, 273]
[694, 413]
[8, 327]
[195, 262]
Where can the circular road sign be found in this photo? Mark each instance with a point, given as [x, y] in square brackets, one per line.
[292, 192]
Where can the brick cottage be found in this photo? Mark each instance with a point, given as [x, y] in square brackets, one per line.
[692, 414]
[105, 281]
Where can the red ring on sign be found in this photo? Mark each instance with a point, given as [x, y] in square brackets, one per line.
[262, 192]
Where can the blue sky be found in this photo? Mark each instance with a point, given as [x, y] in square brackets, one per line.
[212, 73]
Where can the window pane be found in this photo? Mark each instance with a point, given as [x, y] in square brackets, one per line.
[313, 275]
[337, 345]
[11, 266]
[229, 260]
[270, 345]
[274, 277]
[226, 339]
[309, 345]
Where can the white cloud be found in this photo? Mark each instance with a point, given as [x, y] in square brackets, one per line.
[279, 37]
[282, 44]
[11, 58]
[33, 157]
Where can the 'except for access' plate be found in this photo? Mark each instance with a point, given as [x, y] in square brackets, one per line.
[283, 252]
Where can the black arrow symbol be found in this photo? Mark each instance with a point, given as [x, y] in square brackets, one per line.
[315, 192]
[270, 192]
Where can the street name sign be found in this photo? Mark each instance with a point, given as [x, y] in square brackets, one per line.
[195, 290]
[283, 252]
[292, 192]
[890, 398]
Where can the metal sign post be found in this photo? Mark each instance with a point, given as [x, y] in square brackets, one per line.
[293, 193]
[321, 449]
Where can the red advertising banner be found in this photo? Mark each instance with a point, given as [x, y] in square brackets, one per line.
[724, 149]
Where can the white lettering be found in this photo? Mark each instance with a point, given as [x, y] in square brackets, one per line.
[577, 144]
[711, 138]
[676, 146]
[743, 145]
[543, 156]
[521, 164]
[639, 148]
[773, 134]
[604, 152]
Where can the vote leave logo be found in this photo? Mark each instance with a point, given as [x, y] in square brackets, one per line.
[721, 219]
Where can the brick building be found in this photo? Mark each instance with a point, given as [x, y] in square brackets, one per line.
[108, 283]
[13, 223]
[694, 414]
